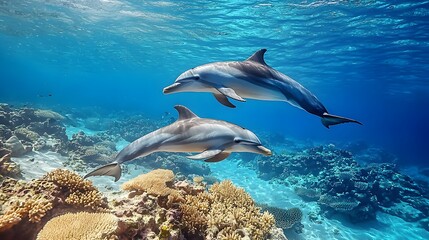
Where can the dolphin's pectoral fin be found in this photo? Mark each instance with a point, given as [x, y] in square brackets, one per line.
[328, 120]
[229, 92]
[219, 157]
[209, 153]
[111, 169]
[224, 100]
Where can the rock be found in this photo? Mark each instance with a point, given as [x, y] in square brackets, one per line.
[404, 211]
[15, 146]
[26, 134]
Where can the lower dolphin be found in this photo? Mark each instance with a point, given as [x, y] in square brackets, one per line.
[215, 140]
[252, 79]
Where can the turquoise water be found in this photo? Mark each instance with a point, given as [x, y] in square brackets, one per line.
[366, 60]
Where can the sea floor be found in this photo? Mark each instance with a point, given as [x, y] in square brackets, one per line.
[387, 227]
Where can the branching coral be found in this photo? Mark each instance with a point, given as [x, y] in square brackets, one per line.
[225, 212]
[82, 225]
[79, 192]
[33, 200]
[20, 200]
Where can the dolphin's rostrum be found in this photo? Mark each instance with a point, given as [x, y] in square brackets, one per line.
[214, 139]
[252, 79]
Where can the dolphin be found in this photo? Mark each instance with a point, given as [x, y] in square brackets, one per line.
[215, 140]
[252, 79]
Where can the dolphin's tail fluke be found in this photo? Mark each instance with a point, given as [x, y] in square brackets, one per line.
[111, 169]
[328, 120]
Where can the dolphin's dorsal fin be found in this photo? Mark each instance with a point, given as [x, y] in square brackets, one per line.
[184, 112]
[258, 57]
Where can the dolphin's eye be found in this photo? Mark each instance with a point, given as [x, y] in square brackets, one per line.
[237, 140]
[197, 77]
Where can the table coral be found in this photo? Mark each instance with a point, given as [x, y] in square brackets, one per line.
[286, 218]
[81, 225]
[156, 182]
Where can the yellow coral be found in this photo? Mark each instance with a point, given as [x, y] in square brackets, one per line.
[33, 202]
[198, 179]
[81, 192]
[82, 225]
[8, 220]
[225, 211]
[155, 182]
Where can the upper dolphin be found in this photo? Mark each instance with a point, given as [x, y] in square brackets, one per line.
[215, 140]
[253, 79]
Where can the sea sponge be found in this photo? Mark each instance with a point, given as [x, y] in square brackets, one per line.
[81, 225]
[79, 192]
[156, 182]
[225, 212]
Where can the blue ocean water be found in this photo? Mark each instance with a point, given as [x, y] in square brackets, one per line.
[366, 60]
[363, 59]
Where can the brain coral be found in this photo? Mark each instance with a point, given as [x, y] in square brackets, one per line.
[81, 225]
[225, 212]
[156, 182]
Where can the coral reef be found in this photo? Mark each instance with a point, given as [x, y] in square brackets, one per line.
[96, 149]
[26, 129]
[340, 184]
[77, 191]
[7, 167]
[81, 225]
[178, 163]
[286, 218]
[133, 127]
[32, 203]
[157, 182]
[225, 212]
